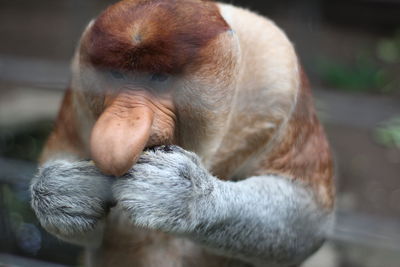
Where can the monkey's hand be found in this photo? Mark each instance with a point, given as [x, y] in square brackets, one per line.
[70, 200]
[265, 220]
[168, 190]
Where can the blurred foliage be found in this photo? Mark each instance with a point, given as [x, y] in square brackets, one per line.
[371, 71]
[362, 76]
[388, 134]
[388, 50]
[24, 143]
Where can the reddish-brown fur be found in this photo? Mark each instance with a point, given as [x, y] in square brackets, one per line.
[65, 137]
[154, 36]
[303, 153]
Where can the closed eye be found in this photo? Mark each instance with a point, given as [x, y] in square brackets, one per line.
[117, 75]
[158, 77]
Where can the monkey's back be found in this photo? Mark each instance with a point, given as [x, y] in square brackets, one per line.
[267, 89]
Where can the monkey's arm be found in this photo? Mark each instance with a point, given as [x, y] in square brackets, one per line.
[263, 220]
[69, 196]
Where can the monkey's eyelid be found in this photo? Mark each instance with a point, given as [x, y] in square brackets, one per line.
[159, 77]
[117, 75]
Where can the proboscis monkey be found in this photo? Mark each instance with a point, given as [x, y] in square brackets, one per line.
[155, 79]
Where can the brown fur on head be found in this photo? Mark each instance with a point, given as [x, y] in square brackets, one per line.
[154, 36]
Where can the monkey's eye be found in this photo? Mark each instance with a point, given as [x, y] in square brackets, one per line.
[159, 77]
[117, 75]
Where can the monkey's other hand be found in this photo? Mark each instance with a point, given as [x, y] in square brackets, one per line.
[70, 199]
[168, 189]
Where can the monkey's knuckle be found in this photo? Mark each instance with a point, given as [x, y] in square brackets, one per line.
[145, 158]
[192, 156]
[178, 151]
[166, 148]
[166, 153]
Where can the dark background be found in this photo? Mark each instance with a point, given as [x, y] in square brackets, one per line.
[351, 51]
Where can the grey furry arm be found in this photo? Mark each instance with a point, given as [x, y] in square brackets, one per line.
[263, 220]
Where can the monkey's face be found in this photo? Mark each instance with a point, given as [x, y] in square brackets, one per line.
[156, 72]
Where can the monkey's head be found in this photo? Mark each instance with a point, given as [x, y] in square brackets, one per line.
[155, 72]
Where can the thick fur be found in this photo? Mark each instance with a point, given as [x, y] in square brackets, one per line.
[71, 199]
[168, 189]
[262, 220]
[266, 220]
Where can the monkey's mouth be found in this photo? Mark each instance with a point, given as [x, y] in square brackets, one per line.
[132, 121]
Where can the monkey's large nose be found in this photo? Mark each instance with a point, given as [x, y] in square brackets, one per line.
[120, 134]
